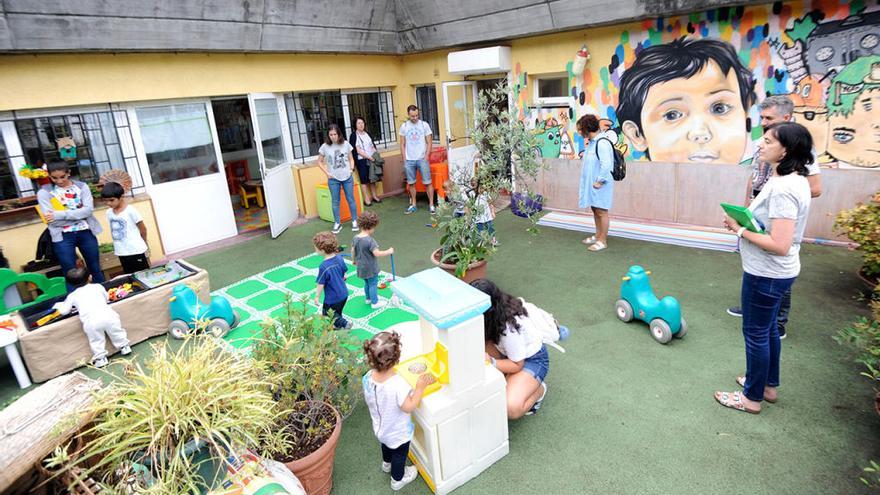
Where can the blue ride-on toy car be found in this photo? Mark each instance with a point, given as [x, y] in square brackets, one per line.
[637, 300]
[188, 313]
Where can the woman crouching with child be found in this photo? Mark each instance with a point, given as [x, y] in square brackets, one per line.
[515, 346]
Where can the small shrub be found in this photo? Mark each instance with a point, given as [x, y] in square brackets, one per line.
[862, 225]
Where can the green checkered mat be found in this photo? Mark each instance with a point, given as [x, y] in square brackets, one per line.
[262, 297]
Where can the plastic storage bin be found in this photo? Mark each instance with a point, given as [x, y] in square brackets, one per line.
[325, 205]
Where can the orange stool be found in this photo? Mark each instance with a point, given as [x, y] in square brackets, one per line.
[439, 175]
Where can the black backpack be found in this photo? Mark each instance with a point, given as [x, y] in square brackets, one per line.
[619, 170]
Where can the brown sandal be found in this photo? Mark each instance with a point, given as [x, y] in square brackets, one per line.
[741, 381]
[733, 400]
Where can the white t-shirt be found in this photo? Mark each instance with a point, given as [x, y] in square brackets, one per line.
[391, 425]
[522, 344]
[786, 197]
[91, 301]
[336, 157]
[71, 198]
[127, 240]
[415, 138]
[365, 143]
[485, 212]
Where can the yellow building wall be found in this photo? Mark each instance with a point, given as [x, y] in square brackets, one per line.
[20, 243]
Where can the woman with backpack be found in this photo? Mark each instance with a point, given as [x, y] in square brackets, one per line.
[596, 183]
[515, 345]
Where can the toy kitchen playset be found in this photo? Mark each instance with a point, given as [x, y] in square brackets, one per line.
[461, 424]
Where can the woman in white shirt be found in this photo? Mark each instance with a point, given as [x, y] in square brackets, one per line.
[364, 148]
[770, 260]
[516, 348]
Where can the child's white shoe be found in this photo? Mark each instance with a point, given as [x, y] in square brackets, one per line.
[100, 362]
[379, 304]
[386, 467]
[409, 474]
[125, 351]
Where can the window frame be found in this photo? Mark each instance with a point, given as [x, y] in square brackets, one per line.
[388, 112]
[549, 100]
[292, 119]
[435, 124]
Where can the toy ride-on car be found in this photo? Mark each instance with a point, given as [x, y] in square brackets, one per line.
[637, 300]
[188, 313]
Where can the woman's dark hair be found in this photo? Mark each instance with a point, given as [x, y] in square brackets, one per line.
[112, 190]
[798, 144]
[358, 117]
[340, 138]
[503, 312]
[57, 167]
[77, 277]
[588, 123]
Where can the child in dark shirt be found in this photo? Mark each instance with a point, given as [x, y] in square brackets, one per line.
[331, 279]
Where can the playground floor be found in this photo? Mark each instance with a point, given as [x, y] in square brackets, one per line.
[623, 414]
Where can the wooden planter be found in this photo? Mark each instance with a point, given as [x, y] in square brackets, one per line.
[315, 471]
[474, 271]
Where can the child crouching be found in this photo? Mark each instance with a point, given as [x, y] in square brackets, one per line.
[91, 301]
[390, 401]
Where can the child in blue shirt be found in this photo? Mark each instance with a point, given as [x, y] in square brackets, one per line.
[331, 279]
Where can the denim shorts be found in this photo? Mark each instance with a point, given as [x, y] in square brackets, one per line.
[410, 167]
[538, 364]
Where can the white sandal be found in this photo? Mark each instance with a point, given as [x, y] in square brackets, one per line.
[598, 246]
[589, 240]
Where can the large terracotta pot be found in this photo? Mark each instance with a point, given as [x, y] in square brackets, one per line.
[475, 270]
[315, 471]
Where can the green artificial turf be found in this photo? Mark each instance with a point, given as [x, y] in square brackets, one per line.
[624, 414]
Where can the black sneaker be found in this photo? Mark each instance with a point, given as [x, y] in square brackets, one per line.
[735, 311]
[538, 402]
[781, 333]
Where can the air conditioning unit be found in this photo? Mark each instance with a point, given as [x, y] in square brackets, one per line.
[480, 61]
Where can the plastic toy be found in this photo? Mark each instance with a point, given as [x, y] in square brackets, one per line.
[187, 311]
[637, 300]
[117, 293]
[51, 315]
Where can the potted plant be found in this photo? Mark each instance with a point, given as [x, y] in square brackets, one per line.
[167, 426]
[862, 225]
[504, 162]
[318, 382]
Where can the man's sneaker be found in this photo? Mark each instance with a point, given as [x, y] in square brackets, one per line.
[433, 210]
[411, 209]
[379, 304]
[386, 467]
[538, 402]
[125, 351]
[735, 311]
[782, 333]
[354, 226]
[409, 474]
[337, 228]
[100, 362]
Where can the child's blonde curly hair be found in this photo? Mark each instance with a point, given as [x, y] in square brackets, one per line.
[383, 350]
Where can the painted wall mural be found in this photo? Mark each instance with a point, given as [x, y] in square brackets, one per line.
[686, 88]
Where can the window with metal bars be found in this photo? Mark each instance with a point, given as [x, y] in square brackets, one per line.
[7, 175]
[377, 110]
[310, 116]
[426, 100]
[98, 147]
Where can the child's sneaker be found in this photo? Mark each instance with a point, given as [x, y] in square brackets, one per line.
[386, 467]
[125, 351]
[100, 362]
[348, 324]
[563, 332]
[409, 474]
[337, 228]
[354, 226]
[411, 209]
[379, 304]
[538, 402]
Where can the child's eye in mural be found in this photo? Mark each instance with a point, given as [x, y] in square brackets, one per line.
[844, 135]
[687, 101]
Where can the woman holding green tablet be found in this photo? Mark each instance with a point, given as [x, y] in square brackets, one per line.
[771, 260]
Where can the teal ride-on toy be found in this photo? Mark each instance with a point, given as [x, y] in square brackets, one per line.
[188, 313]
[637, 300]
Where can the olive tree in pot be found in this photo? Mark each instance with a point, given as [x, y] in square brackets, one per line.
[505, 161]
[318, 382]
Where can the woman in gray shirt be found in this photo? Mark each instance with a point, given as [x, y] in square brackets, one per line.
[770, 260]
[335, 160]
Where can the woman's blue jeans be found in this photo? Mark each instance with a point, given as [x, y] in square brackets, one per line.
[761, 299]
[348, 187]
[87, 243]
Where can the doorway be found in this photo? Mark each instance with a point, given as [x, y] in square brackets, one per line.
[241, 163]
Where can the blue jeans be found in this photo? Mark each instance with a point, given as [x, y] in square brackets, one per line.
[87, 243]
[411, 166]
[487, 226]
[761, 299]
[784, 308]
[348, 187]
[371, 289]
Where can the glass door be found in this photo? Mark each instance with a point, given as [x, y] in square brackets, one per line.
[459, 105]
[274, 151]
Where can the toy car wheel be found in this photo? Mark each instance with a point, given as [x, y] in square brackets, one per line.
[218, 327]
[660, 331]
[682, 331]
[178, 329]
[624, 310]
[235, 319]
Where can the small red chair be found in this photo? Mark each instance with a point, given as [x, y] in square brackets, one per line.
[237, 173]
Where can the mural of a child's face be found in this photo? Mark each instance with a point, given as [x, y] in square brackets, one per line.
[696, 119]
[855, 138]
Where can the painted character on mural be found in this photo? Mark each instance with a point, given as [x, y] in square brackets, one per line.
[854, 113]
[687, 101]
[552, 138]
